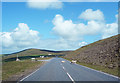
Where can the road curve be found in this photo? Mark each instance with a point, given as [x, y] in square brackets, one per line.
[55, 70]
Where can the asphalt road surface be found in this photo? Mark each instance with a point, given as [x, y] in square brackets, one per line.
[55, 70]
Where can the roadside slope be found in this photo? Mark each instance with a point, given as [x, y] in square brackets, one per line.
[103, 53]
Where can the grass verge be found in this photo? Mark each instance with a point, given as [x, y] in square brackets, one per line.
[19, 67]
[100, 68]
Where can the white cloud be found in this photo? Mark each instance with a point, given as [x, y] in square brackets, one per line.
[44, 4]
[58, 44]
[68, 30]
[21, 37]
[65, 29]
[110, 30]
[6, 39]
[82, 43]
[24, 34]
[89, 14]
[71, 31]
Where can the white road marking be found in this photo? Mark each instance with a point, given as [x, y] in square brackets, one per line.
[97, 71]
[68, 74]
[70, 77]
[31, 73]
[64, 68]
[28, 75]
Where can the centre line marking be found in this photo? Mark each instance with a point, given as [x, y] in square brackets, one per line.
[70, 77]
[64, 68]
[68, 74]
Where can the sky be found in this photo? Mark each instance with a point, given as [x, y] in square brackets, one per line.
[56, 25]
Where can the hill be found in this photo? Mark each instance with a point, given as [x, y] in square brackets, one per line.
[103, 52]
[29, 53]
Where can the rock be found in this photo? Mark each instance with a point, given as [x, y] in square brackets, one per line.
[110, 66]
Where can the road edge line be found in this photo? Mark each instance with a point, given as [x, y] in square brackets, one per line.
[29, 75]
[97, 70]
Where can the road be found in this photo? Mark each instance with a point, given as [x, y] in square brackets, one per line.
[55, 70]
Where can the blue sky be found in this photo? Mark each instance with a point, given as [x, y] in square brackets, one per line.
[45, 21]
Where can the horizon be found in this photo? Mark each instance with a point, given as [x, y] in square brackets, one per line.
[53, 50]
[49, 26]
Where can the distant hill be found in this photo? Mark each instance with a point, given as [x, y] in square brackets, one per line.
[32, 52]
[103, 52]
